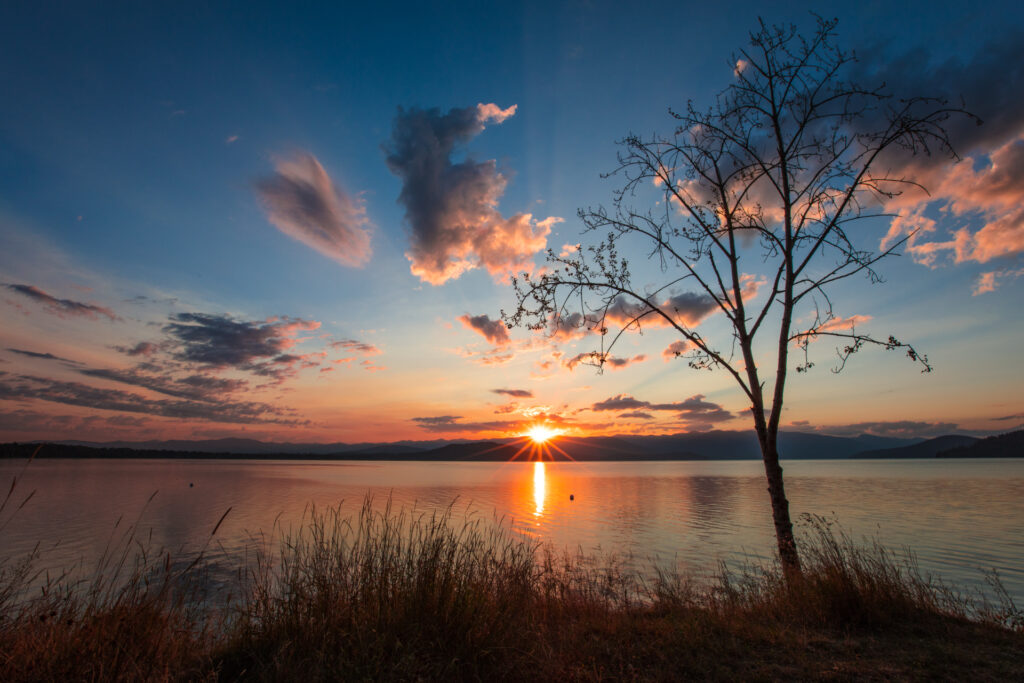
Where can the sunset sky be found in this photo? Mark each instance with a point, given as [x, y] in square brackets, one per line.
[299, 224]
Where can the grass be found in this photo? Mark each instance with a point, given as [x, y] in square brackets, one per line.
[401, 595]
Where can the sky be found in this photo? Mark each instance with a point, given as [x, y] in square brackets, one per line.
[298, 222]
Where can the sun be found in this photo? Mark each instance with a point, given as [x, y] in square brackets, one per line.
[540, 434]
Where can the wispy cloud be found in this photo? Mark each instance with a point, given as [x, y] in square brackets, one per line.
[358, 347]
[303, 202]
[515, 393]
[42, 356]
[893, 428]
[26, 387]
[451, 423]
[451, 207]
[61, 307]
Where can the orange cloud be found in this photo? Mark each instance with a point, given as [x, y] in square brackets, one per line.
[676, 349]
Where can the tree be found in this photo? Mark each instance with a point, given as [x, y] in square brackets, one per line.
[780, 171]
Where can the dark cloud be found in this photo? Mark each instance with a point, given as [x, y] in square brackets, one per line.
[637, 415]
[303, 203]
[450, 423]
[193, 387]
[73, 426]
[140, 349]
[982, 195]
[451, 208]
[620, 402]
[62, 306]
[564, 328]
[493, 331]
[990, 84]
[438, 420]
[222, 341]
[516, 393]
[694, 410]
[24, 387]
[43, 356]
[688, 309]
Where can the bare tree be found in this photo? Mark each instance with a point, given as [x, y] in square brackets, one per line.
[772, 179]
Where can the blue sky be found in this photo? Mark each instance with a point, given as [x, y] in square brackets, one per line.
[133, 144]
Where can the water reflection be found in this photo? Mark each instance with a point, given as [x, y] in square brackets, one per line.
[539, 488]
[957, 516]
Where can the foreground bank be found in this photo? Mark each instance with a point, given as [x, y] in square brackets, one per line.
[400, 596]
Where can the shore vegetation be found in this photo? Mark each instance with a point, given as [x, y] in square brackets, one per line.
[407, 595]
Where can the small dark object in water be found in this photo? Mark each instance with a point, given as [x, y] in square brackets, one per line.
[572, 496]
[190, 484]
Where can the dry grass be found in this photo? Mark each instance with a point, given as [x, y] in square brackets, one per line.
[401, 595]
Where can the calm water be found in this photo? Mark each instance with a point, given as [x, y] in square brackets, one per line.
[958, 516]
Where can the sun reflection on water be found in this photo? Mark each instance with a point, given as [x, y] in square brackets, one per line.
[539, 488]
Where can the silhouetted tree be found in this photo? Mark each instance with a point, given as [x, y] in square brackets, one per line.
[777, 173]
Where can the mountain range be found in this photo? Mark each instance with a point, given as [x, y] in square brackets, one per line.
[713, 445]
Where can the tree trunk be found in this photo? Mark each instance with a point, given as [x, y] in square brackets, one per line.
[780, 505]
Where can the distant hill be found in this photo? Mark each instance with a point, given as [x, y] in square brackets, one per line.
[1010, 445]
[924, 449]
[713, 445]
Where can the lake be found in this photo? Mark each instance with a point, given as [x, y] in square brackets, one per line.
[959, 517]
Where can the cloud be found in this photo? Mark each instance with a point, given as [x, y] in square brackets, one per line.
[370, 367]
[688, 309]
[141, 349]
[195, 387]
[637, 415]
[42, 356]
[24, 387]
[231, 139]
[565, 328]
[451, 208]
[450, 423]
[515, 393]
[357, 347]
[693, 410]
[676, 349]
[991, 280]
[620, 402]
[895, 428]
[606, 361]
[980, 198]
[493, 331]
[222, 341]
[62, 307]
[303, 203]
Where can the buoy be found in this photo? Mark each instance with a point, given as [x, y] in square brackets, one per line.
[190, 484]
[572, 496]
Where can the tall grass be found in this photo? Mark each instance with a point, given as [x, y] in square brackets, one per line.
[405, 594]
